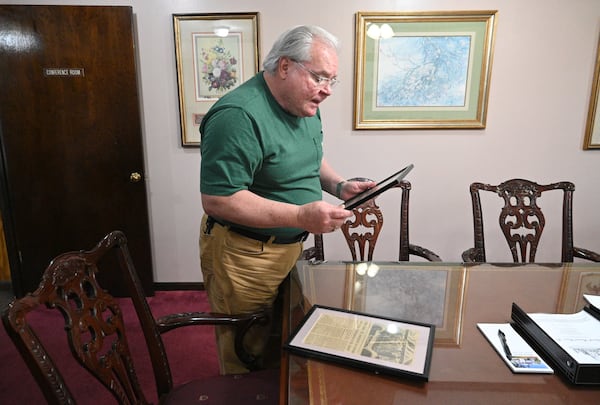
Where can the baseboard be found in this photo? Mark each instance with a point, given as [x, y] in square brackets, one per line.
[178, 286]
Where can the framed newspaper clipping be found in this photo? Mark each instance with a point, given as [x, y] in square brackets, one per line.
[376, 344]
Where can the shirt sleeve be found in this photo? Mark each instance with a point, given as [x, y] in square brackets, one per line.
[230, 152]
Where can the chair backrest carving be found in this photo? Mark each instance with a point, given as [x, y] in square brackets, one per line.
[368, 220]
[521, 219]
[363, 230]
[93, 323]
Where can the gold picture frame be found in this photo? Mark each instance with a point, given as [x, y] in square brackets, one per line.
[423, 70]
[215, 53]
[578, 280]
[431, 293]
[592, 127]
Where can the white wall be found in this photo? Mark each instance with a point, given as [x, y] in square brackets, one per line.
[541, 80]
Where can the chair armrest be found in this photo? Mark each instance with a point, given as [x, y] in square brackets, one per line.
[309, 253]
[470, 256]
[174, 321]
[586, 254]
[424, 253]
[242, 324]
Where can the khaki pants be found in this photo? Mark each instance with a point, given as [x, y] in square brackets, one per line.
[242, 275]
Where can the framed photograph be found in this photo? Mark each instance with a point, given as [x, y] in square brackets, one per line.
[376, 344]
[215, 53]
[576, 282]
[592, 127]
[380, 345]
[433, 294]
[423, 70]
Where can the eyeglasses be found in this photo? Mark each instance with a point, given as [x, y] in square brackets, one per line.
[320, 81]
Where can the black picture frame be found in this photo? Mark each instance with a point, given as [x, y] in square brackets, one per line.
[375, 344]
[382, 186]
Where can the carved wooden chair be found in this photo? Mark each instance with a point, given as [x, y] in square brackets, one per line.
[362, 231]
[97, 338]
[522, 221]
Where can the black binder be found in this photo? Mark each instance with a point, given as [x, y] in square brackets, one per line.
[552, 352]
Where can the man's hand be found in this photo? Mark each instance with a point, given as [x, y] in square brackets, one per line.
[322, 217]
[353, 187]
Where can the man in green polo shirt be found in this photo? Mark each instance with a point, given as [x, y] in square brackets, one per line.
[262, 176]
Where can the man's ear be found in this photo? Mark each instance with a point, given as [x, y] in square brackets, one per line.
[284, 66]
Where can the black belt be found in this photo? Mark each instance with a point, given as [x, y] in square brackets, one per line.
[281, 240]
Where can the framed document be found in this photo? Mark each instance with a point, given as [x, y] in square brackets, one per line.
[382, 186]
[376, 344]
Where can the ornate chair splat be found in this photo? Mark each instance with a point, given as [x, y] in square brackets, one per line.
[362, 232]
[522, 221]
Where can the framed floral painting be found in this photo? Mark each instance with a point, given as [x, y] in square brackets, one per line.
[215, 53]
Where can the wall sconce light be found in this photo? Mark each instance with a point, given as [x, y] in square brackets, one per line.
[221, 31]
[376, 32]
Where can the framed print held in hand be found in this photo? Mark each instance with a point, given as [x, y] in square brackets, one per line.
[215, 53]
[423, 70]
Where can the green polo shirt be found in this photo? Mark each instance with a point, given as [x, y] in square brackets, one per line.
[248, 142]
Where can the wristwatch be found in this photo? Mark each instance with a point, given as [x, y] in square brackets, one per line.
[338, 189]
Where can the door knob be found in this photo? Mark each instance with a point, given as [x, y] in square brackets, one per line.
[135, 177]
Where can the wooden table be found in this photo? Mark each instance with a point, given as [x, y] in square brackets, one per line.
[455, 297]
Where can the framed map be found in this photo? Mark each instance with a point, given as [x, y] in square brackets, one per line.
[427, 70]
[432, 294]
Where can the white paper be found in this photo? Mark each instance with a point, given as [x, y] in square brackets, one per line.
[578, 334]
[524, 358]
[594, 300]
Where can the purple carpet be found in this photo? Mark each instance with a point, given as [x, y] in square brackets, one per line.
[191, 352]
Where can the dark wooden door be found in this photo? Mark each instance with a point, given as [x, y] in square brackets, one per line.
[70, 129]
